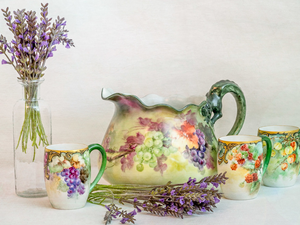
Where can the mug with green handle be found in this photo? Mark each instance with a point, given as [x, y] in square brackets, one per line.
[242, 158]
[284, 164]
[67, 169]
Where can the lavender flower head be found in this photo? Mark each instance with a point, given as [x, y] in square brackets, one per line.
[33, 42]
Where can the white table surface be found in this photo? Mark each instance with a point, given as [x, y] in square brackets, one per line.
[276, 206]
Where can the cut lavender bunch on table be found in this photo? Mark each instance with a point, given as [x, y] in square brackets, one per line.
[192, 197]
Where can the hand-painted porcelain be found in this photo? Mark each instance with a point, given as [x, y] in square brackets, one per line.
[284, 164]
[68, 174]
[153, 142]
[241, 156]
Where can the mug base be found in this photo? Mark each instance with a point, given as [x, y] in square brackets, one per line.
[239, 197]
[66, 206]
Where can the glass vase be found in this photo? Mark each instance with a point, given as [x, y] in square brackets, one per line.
[32, 131]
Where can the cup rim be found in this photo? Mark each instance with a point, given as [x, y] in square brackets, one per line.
[68, 147]
[240, 139]
[279, 129]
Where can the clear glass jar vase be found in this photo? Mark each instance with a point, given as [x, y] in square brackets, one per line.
[32, 131]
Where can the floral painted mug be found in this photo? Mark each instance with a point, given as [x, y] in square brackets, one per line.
[67, 170]
[241, 157]
[284, 164]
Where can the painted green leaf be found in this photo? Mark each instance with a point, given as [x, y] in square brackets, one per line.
[254, 187]
[62, 186]
[249, 166]
[255, 155]
[245, 154]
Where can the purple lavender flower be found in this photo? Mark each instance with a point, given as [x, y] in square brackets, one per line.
[161, 200]
[138, 209]
[17, 21]
[181, 200]
[36, 57]
[173, 192]
[9, 17]
[215, 184]
[25, 49]
[124, 220]
[50, 54]
[133, 213]
[4, 62]
[185, 185]
[20, 47]
[14, 26]
[67, 45]
[203, 185]
[190, 212]
[55, 42]
[216, 200]
[44, 43]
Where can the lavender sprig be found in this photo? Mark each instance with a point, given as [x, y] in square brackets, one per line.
[175, 200]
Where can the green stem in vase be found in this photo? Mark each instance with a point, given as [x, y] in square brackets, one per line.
[32, 128]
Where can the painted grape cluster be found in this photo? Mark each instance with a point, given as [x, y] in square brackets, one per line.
[68, 173]
[72, 180]
[196, 156]
[153, 147]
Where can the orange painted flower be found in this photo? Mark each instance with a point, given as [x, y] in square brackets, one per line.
[234, 151]
[293, 145]
[238, 156]
[250, 156]
[257, 163]
[233, 166]
[284, 166]
[241, 161]
[230, 157]
[255, 176]
[187, 131]
[291, 158]
[260, 157]
[249, 178]
[245, 147]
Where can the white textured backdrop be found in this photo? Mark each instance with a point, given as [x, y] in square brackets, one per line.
[166, 47]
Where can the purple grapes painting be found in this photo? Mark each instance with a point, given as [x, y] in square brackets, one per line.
[68, 173]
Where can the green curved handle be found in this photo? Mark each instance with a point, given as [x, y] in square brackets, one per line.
[98, 147]
[269, 152]
[214, 103]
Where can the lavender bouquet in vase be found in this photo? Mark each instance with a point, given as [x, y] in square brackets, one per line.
[34, 41]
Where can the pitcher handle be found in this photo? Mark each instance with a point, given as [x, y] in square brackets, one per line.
[214, 102]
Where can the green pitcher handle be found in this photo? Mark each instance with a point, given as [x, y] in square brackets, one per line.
[268, 154]
[214, 103]
[98, 147]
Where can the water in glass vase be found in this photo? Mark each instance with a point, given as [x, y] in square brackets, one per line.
[32, 132]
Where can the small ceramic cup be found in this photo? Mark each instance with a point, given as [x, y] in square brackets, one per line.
[283, 168]
[67, 169]
[241, 157]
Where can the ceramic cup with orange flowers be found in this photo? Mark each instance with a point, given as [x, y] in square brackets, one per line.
[284, 164]
[241, 157]
[67, 171]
